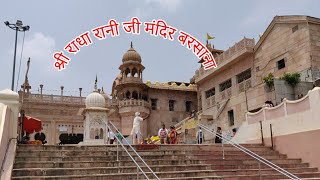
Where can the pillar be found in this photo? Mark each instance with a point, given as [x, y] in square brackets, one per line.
[80, 89]
[11, 99]
[61, 90]
[41, 88]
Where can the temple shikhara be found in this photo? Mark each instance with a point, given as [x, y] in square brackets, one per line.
[264, 93]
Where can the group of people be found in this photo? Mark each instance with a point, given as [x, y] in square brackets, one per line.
[111, 137]
[168, 137]
[39, 139]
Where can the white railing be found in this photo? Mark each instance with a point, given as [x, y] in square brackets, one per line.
[134, 102]
[53, 98]
[136, 153]
[250, 153]
[282, 110]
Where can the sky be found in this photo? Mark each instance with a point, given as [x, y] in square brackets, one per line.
[53, 24]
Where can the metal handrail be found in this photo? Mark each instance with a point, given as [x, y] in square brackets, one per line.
[118, 140]
[252, 154]
[154, 174]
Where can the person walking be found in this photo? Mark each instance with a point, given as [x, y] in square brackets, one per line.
[219, 132]
[111, 136]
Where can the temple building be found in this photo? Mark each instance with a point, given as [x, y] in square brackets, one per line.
[66, 118]
[221, 96]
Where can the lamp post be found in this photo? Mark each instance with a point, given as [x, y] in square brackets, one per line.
[17, 27]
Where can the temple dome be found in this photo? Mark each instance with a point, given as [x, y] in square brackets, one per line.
[131, 55]
[95, 100]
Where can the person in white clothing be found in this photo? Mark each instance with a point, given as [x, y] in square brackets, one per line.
[135, 132]
[111, 136]
[163, 134]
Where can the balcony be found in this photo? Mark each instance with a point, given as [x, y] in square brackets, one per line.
[134, 105]
[126, 80]
[227, 58]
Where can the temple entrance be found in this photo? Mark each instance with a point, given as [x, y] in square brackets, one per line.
[70, 138]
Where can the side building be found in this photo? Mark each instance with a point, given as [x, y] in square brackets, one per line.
[236, 86]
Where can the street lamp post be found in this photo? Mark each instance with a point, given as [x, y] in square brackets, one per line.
[17, 27]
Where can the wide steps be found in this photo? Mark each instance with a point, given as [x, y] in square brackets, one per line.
[167, 161]
[81, 164]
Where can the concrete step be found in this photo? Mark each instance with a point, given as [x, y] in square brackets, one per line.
[76, 153]
[250, 162]
[256, 166]
[313, 175]
[189, 147]
[82, 164]
[95, 158]
[103, 170]
[262, 171]
[123, 176]
[37, 153]
[238, 157]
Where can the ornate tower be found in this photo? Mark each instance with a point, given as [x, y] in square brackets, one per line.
[130, 91]
[95, 118]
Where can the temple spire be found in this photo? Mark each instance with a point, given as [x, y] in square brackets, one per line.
[131, 45]
[95, 83]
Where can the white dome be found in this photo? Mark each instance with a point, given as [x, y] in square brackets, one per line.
[95, 100]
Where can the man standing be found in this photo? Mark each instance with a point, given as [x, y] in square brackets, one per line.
[110, 136]
[200, 136]
[135, 132]
[163, 134]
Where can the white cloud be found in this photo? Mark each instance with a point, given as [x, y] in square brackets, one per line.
[169, 5]
[149, 6]
[38, 47]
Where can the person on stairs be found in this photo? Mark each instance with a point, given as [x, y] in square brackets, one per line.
[163, 134]
[200, 136]
[135, 132]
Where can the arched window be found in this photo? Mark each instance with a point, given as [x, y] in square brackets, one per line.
[96, 134]
[127, 72]
[101, 133]
[128, 95]
[134, 72]
[134, 95]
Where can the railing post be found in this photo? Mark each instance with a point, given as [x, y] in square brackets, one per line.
[260, 171]
[222, 149]
[271, 135]
[261, 132]
[184, 134]
[137, 172]
[118, 150]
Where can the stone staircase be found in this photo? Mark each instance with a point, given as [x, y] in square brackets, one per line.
[167, 161]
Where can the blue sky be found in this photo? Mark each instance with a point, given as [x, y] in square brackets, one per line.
[54, 23]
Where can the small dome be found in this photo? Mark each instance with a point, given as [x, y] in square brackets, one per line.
[95, 100]
[132, 55]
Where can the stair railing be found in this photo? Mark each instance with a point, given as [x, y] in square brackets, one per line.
[136, 153]
[252, 154]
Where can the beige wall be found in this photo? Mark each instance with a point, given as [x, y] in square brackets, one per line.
[294, 123]
[237, 101]
[162, 114]
[281, 43]
[315, 48]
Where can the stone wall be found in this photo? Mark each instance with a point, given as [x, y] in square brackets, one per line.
[315, 49]
[162, 113]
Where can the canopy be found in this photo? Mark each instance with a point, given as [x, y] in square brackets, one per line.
[31, 124]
